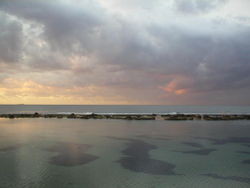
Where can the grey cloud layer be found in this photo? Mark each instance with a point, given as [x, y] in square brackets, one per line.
[11, 39]
[210, 54]
[198, 6]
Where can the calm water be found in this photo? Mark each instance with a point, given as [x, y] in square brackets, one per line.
[68, 153]
[121, 109]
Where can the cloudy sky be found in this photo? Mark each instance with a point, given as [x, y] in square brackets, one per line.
[125, 52]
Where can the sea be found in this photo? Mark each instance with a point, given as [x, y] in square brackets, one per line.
[121, 109]
[108, 153]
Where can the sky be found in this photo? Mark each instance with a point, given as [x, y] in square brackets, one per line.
[159, 52]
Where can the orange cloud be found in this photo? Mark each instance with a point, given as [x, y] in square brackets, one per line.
[177, 86]
[181, 91]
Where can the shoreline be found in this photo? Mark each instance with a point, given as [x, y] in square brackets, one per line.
[133, 116]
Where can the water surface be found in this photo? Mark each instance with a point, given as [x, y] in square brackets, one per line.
[121, 154]
[121, 109]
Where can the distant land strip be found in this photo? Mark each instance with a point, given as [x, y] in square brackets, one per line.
[132, 116]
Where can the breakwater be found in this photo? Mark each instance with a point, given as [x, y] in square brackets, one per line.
[132, 116]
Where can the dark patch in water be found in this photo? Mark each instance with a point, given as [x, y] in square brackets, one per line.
[239, 140]
[121, 139]
[138, 149]
[244, 152]
[233, 178]
[246, 161]
[215, 141]
[147, 165]
[10, 148]
[155, 137]
[71, 154]
[160, 138]
[200, 151]
[137, 159]
[193, 144]
[206, 151]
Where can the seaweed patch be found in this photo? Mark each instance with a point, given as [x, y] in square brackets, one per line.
[10, 148]
[243, 152]
[233, 178]
[154, 137]
[201, 150]
[137, 159]
[193, 144]
[246, 161]
[206, 151]
[215, 141]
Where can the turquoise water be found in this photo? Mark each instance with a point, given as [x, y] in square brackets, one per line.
[124, 154]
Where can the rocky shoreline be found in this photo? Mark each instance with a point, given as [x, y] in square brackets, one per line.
[127, 116]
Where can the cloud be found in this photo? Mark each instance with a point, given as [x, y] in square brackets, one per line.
[11, 39]
[137, 50]
[64, 24]
[198, 6]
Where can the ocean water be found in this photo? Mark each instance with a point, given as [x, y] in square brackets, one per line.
[121, 109]
[75, 153]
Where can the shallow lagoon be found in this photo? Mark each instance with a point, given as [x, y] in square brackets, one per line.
[121, 154]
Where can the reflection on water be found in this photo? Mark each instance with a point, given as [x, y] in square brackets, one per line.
[112, 153]
[71, 154]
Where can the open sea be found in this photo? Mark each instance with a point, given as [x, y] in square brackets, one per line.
[121, 109]
[79, 153]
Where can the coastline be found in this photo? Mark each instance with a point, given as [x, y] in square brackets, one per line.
[133, 116]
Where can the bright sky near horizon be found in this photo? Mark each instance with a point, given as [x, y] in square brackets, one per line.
[125, 52]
